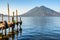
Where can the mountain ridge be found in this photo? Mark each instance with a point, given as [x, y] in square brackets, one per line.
[41, 11]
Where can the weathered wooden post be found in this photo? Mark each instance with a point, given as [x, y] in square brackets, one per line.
[13, 22]
[8, 15]
[2, 33]
[17, 19]
[16, 16]
[4, 23]
[20, 24]
[13, 16]
[2, 17]
[5, 31]
[2, 27]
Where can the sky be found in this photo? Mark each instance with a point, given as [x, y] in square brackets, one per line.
[25, 5]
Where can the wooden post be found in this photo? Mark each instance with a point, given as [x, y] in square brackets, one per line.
[2, 28]
[5, 31]
[20, 24]
[2, 33]
[9, 29]
[13, 17]
[8, 14]
[13, 22]
[20, 19]
[2, 17]
[16, 15]
[17, 19]
[17, 28]
[20, 28]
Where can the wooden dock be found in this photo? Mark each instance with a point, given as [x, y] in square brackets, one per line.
[4, 25]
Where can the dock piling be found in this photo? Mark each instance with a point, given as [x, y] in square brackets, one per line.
[2, 33]
[20, 23]
[5, 31]
[17, 19]
[8, 14]
[16, 15]
[13, 23]
[2, 17]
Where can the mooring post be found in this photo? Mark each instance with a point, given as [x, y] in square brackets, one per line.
[17, 19]
[17, 26]
[8, 15]
[20, 24]
[13, 22]
[13, 17]
[2, 33]
[16, 16]
[6, 26]
[2, 21]
[2, 17]
[20, 28]
[2, 28]
[5, 31]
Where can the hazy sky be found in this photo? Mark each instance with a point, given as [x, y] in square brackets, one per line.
[24, 5]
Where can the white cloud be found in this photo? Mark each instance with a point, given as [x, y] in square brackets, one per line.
[4, 10]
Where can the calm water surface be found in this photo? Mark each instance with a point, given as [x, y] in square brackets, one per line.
[39, 28]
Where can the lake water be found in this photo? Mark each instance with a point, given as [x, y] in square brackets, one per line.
[39, 28]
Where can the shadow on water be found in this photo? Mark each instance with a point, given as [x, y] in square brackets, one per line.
[19, 30]
[13, 36]
[17, 33]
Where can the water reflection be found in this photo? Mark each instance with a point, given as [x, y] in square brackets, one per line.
[13, 35]
[20, 33]
[17, 36]
[16, 33]
[44, 27]
[17, 28]
[38, 28]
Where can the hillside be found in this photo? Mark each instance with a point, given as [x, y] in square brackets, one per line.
[41, 11]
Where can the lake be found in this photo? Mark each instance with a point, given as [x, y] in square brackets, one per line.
[38, 28]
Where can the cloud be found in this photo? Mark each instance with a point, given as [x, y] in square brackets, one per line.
[4, 10]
